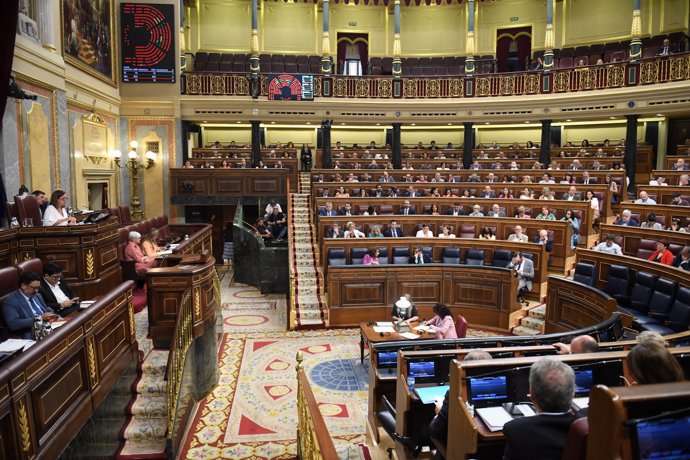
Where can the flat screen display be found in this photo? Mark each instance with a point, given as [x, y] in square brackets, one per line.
[488, 391]
[387, 359]
[583, 382]
[422, 370]
[287, 87]
[147, 42]
[665, 438]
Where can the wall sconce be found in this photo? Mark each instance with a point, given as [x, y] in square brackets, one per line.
[134, 165]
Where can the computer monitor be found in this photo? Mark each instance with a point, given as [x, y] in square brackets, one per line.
[488, 391]
[584, 379]
[387, 359]
[423, 370]
[664, 436]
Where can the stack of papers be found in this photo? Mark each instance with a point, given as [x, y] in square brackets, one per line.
[422, 328]
[86, 304]
[164, 253]
[494, 417]
[382, 329]
[11, 345]
[409, 335]
[57, 324]
[581, 403]
[384, 323]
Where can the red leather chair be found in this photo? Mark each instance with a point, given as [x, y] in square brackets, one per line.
[27, 207]
[125, 216]
[32, 265]
[115, 211]
[576, 443]
[461, 327]
[9, 281]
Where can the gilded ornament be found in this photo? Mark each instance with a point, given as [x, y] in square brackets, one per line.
[362, 88]
[433, 88]
[385, 87]
[91, 353]
[24, 428]
[410, 88]
[193, 84]
[90, 263]
[132, 334]
[217, 85]
[483, 86]
[241, 85]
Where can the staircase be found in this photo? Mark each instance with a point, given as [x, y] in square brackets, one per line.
[145, 432]
[311, 311]
[533, 322]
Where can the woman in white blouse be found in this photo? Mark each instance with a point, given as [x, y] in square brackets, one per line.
[55, 213]
[445, 232]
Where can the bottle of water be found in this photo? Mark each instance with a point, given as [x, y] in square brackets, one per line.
[14, 223]
[37, 328]
[410, 383]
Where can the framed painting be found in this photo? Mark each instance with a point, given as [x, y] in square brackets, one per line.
[87, 37]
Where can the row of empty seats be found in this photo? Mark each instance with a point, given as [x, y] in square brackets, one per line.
[657, 304]
[401, 256]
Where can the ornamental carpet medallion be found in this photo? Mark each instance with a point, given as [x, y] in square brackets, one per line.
[251, 414]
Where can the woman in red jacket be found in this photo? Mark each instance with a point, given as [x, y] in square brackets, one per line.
[662, 254]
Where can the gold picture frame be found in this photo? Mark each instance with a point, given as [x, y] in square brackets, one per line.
[87, 33]
[95, 140]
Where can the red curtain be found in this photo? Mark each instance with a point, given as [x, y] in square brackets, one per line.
[504, 37]
[8, 23]
[362, 41]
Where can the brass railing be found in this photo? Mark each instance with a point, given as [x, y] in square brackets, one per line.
[182, 339]
[662, 69]
[313, 440]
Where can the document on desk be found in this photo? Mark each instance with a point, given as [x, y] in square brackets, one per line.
[409, 335]
[164, 253]
[581, 403]
[11, 345]
[494, 417]
[86, 304]
[383, 329]
[384, 323]
[423, 328]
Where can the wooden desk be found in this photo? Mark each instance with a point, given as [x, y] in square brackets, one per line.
[368, 336]
[48, 392]
[87, 254]
[485, 296]
[165, 288]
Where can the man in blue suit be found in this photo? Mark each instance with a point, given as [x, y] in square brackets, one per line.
[20, 306]
[328, 210]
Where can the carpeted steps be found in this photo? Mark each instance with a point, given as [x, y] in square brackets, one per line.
[310, 305]
[145, 433]
[533, 322]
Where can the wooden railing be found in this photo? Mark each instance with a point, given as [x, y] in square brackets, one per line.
[663, 69]
[313, 440]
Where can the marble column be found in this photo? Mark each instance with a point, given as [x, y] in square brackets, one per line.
[44, 8]
[326, 64]
[549, 40]
[397, 51]
[630, 149]
[397, 151]
[545, 153]
[467, 144]
[469, 46]
[254, 45]
[636, 32]
[256, 142]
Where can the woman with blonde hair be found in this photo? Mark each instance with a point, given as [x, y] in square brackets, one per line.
[150, 244]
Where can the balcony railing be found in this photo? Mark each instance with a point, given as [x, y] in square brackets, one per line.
[617, 75]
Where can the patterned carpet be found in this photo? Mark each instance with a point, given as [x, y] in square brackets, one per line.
[251, 414]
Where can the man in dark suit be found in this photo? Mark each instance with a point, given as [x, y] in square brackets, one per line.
[328, 210]
[346, 210]
[418, 257]
[334, 231]
[626, 219]
[393, 231]
[572, 195]
[666, 48]
[56, 292]
[20, 306]
[545, 239]
[543, 436]
[456, 210]
[378, 193]
[524, 272]
[407, 209]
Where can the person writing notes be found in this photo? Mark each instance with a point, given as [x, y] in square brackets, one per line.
[442, 324]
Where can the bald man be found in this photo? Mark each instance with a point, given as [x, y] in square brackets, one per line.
[580, 344]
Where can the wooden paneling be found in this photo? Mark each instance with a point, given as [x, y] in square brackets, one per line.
[50, 390]
[484, 295]
[225, 186]
[574, 305]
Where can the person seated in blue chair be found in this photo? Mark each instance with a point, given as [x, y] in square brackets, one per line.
[21, 306]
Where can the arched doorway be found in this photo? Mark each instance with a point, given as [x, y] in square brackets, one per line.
[353, 53]
[513, 48]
